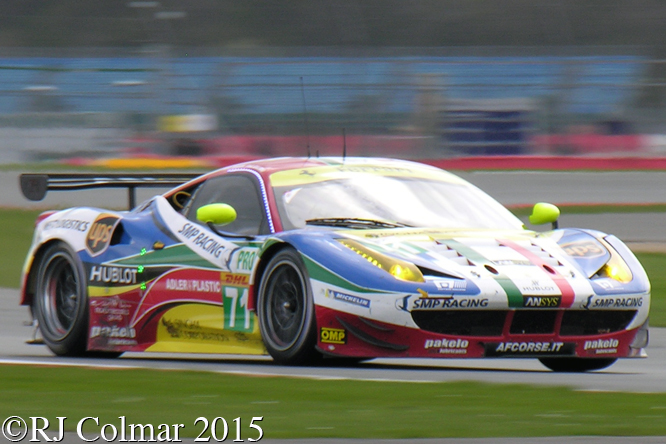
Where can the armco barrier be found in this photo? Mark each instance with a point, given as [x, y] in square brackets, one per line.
[548, 163]
[552, 163]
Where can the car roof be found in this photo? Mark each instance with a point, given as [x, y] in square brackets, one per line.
[266, 167]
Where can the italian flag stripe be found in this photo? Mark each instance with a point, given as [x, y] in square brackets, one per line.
[562, 283]
[513, 294]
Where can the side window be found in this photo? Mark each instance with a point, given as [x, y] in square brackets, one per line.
[241, 192]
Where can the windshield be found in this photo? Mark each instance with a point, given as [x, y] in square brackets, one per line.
[414, 201]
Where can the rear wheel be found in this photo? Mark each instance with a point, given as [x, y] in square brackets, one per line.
[577, 365]
[286, 310]
[60, 303]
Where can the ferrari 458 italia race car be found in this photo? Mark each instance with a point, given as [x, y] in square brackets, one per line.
[308, 257]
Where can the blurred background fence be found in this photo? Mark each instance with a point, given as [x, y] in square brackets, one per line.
[428, 105]
[221, 77]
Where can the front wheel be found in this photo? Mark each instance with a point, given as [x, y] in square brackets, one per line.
[577, 365]
[60, 303]
[286, 310]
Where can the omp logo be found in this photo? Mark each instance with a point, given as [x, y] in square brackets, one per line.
[99, 236]
[541, 301]
[333, 336]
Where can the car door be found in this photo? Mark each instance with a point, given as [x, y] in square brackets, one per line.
[206, 299]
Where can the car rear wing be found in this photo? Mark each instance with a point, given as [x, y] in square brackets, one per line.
[35, 186]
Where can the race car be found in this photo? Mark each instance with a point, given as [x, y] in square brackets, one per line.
[306, 258]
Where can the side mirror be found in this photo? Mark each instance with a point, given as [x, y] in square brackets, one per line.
[544, 213]
[216, 213]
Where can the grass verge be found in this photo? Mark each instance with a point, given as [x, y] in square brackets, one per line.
[297, 408]
[655, 264]
[16, 229]
[526, 210]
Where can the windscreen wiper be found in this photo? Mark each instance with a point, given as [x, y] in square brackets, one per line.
[351, 222]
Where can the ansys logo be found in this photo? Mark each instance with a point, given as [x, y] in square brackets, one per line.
[99, 235]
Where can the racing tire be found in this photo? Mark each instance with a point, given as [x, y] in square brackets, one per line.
[576, 365]
[60, 303]
[286, 311]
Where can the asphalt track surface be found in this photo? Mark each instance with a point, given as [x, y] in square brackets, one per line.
[635, 375]
[510, 188]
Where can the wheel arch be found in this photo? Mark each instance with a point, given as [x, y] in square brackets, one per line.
[28, 289]
[265, 257]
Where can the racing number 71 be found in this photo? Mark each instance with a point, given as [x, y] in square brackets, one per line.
[237, 316]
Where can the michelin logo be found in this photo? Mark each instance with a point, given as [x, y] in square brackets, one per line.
[348, 298]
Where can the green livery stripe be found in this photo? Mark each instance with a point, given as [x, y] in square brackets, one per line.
[512, 292]
[322, 274]
[175, 255]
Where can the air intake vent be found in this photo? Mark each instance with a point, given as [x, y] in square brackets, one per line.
[545, 256]
[533, 322]
[461, 322]
[453, 255]
[592, 322]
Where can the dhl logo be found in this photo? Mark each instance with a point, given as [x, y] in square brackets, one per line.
[237, 279]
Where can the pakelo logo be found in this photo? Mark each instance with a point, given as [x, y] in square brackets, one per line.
[99, 236]
[602, 346]
[333, 336]
[112, 332]
[447, 346]
[541, 301]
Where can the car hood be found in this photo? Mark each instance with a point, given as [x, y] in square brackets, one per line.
[559, 263]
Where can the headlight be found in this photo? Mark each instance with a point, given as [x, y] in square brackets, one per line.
[397, 268]
[616, 268]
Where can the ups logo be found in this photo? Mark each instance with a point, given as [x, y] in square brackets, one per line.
[586, 249]
[99, 235]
